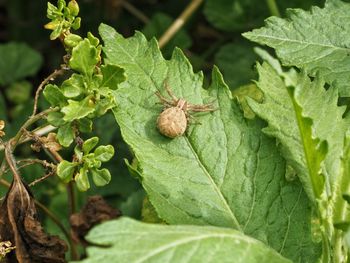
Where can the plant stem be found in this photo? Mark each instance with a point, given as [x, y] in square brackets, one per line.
[52, 76]
[179, 22]
[37, 132]
[15, 140]
[273, 8]
[57, 158]
[136, 12]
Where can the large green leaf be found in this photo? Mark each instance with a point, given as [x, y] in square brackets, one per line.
[224, 172]
[317, 41]
[18, 61]
[132, 241]
[306, 113]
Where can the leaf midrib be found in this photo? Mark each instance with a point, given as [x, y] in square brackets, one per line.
[217, 190]
[254, 35]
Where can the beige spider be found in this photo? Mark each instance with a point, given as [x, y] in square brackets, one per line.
[173, 121]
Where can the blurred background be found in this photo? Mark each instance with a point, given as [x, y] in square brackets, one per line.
[211, 36]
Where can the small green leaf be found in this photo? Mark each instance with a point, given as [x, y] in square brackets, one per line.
[89, 144]
[78, 109]
[56, 32]
[54, 95]
[82, 180]
[100, 177]
[104, 153]
[76, 23]
[93, 40]
[72, 40]
[127, 240]
[65, 170]
[61, 4]
[55, 118]
[51, 11]
[105, 104]
[84, 58]
[74, 86]
[84, 125]
[65, 135]
[112, 75]
[91, 162]
[73, 8]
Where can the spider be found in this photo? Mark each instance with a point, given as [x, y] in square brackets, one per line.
[174, 119]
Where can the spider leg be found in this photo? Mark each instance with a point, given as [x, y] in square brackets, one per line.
[163, 99]
[201, 108]
[192, 120]
[171, 94]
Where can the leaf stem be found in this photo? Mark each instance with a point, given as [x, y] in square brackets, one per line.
[179, 22]
[273, 8]
[51, 77]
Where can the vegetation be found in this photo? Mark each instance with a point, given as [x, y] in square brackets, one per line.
[258, 173]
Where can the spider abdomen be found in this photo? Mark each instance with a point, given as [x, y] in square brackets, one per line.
[172, 122]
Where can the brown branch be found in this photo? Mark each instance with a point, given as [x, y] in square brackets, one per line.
[41, 179]
[179, 22]
[51, 77]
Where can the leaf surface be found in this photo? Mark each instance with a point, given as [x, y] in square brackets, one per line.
[224, 172]
[133, 241]
[317, 41]
[78, 109]
[306, 113]
[18, 61]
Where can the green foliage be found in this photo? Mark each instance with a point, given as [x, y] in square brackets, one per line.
[263, 177]
[63, 18]
[86, 163]
[202, 190]
[18, 61]
[160, 243]
[319, 45]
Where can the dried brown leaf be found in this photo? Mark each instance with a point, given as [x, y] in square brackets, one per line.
[20, 225]
[95, 211]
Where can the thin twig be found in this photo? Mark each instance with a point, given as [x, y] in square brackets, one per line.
[273, 8]
[51, 77]
[57, 158]
[15, 140]
[136, 12]
[179, 22]
[46, 211]
[37, 132]
[41, 178]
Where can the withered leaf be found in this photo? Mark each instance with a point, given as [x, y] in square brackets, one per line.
[95, 211]
[20, 225]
